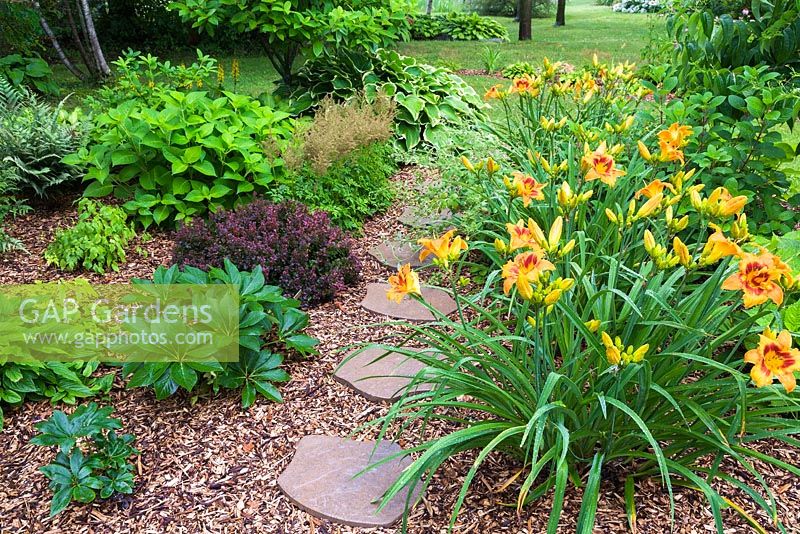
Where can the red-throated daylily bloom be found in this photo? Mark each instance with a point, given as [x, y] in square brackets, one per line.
[405, 282]
[717, 247]
[524, 85]
[670, 152]
[757, 279]
[522, 236]
[494, 92]
[526, 187]
[654, 188]
[774, 357]
[525, 269]
[446, 248]
[600, 166]
[676, 135]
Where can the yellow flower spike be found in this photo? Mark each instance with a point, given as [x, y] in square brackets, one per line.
[500, 246]
[608, 127]
[546, 166]
[593, 325]
[446, 248]
[467, 163]
[682, 252]
[492, 166]
[404, 282]
[564, 195]
[562, 122]
[650, 206]
[613, 354]
[566, 284]
[612, 216]
[643, 151]
[696, 200]
[552, 297]
[507, 183]
[567, 248]
[627, 123]
[584, 197]
[531, 321]
[649, 242]
[595, 63]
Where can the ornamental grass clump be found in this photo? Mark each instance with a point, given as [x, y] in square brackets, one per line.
[627, 322]
[301, 252]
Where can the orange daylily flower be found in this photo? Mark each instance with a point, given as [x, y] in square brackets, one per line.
[722, 204]
[670, 152]
[526, 268]
[717, 247]
[757, 279]
[600, 165]
[526, 187]
[446, 248]
[405, 282]
[524, 85]
[522, 236]
[494, 92]
[676, 135]
[656, 187]
[774, 357]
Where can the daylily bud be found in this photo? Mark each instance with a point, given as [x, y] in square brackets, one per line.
[531, 321]
[611, 216]
[593, 325]
[552, 297]
[649, 241]
[567, 248]
[643, 151]
[467, 163]
[500, 246]
[650, 206]
[492, 166]
[695, 199]
[682, 252]
[555, 232]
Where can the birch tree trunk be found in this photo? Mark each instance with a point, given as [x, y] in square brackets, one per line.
[97, 52]
[56, 45]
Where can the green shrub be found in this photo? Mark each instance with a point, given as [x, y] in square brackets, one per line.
[300, 28]
[32, 72]
[144, 77]
[457, 27]
[426, 97]
[91, 457]
[508, 8]
[59, 382]
[738, 143]
[35, 137]
[184, 155]
[269, 325]
[351, 190]
[96, 243]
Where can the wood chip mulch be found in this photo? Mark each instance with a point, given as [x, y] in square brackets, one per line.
[208, 466]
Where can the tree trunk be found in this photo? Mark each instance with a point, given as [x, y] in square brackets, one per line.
[56, 45]
[429, 9]
[76, 37]
[525, 20]
[560, 8]
[93, 41]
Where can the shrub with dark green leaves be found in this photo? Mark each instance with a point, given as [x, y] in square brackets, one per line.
[183, 156]
[270, 325]
[426, 97]
[96, 243]
[32, 72]
[35, 137]
[457, 27]
[299, 251]
[351, 190]
[92, 458]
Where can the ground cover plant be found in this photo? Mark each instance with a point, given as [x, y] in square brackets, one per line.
[626, 320]
[457, 27]
[269, 326]
[92, 459]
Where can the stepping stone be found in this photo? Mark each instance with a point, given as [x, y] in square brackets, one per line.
[378, 376]
[395, 253]
[409, 309]
[410, 218]
[321, 479]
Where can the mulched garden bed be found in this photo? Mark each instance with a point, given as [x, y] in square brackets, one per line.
[208, 466]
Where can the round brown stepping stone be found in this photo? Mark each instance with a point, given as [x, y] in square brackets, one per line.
[409, 309]
[321, 479]
[409, 217]
[379, 375]
[396, 253]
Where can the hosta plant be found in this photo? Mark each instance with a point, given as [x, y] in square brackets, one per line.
[458, 27]
[426, 97]
[92, 459]
[269, 326]
[626, 322]
[183, 156]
